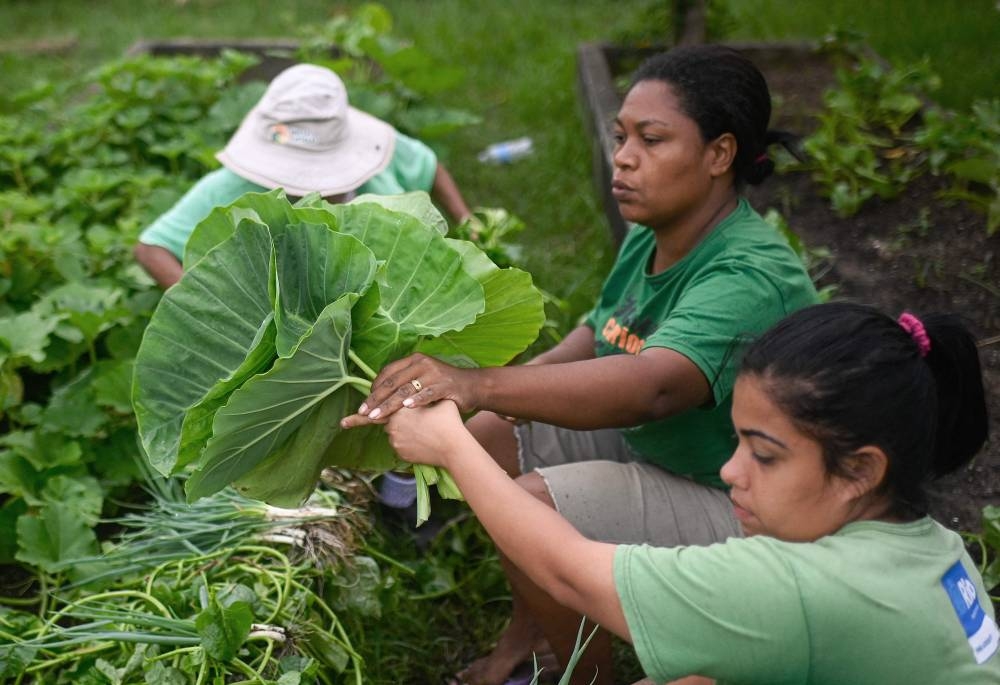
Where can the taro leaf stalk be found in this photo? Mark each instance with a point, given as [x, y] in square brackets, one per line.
[272, 335]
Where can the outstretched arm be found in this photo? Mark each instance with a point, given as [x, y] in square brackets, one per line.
[159, 263]
[446, 193]
[576, 346]
[614, 391]
[577, 572]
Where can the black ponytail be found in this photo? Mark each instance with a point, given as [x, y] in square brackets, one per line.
[763, 165]
[849, 376]
[962, 419]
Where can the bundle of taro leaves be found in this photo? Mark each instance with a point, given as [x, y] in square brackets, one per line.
[279, 323]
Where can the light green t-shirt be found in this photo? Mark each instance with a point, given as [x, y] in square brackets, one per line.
[874, 604]
[740, 280]
[412, 167]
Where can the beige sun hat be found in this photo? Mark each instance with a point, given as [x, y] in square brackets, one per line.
[303, 136]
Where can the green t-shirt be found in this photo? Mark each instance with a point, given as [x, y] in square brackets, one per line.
[876, 603]
[740, 280]
[412, 167]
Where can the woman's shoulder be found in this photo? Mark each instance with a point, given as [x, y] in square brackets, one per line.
[745, 226]
[877, 556]
[223, 185]
[869, 544]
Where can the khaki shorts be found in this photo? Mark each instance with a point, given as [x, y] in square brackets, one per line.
[600, 486]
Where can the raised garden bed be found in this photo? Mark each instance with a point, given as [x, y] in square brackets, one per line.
[916, 252]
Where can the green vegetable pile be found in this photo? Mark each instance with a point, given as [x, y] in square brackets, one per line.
[272, 335]
[202, 593]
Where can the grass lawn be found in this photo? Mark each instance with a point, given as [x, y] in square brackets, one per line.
[960, 37]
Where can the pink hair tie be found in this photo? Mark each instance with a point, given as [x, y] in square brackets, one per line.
[762, 157]
[915, 328]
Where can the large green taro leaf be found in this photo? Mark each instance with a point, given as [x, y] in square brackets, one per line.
[514, 314]
[365, 448]
[201, 334]
[313, 267]
[417, 204]
[288, 475]
[424, 289]
[196, 428]
[263, 414]
[271, 209]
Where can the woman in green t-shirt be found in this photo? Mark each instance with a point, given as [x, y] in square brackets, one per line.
[842, 414]
[623, 426]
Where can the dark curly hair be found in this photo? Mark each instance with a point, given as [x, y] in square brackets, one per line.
[723, 92]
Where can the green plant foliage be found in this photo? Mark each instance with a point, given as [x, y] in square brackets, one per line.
[76, 184]
[201, 593]
[385, 75]
[492, 229]
[988, 544]
[223, 628]
[858, 151]
[879, 131]
[966, 148]
[84, 166]
[270, 338]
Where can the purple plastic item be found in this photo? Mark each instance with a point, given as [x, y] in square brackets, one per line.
[522, 675]
[519, 680]
[397, 490]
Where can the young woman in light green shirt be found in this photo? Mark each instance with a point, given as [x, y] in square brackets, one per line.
[842, 415]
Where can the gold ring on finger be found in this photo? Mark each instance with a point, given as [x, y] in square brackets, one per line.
[417, 385]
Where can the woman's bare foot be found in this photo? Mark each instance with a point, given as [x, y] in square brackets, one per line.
[513, 648]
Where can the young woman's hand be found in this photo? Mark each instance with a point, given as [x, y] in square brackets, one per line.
[428, 435]
[415, 381]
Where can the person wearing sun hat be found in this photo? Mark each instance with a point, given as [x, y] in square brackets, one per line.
[304, 137]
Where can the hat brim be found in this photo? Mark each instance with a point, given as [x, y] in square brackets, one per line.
[363, 153]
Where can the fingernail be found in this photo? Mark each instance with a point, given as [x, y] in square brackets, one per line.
[363, 409]
[375, 413]
[408, 402]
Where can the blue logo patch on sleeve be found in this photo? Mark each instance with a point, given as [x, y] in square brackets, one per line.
[980, 629]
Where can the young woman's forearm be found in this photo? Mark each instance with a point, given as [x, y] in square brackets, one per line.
[577, 572]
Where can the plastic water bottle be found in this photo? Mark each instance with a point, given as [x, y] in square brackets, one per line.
[506, 151]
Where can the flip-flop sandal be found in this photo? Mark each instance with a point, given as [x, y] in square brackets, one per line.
[522, 675]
